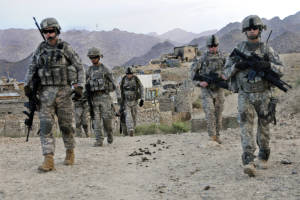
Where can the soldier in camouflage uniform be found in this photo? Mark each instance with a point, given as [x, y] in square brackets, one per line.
[131, 91]
[58, 67]
[81, 116]
[254, 94]
[212, 96]
[101, 83]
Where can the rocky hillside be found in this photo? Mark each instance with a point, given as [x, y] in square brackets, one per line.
[282, 31]
[117, 46]
[15, 70]
[288, 42]
[182, 36]
[155, 52]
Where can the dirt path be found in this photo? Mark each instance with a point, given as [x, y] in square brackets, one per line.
[184, 166]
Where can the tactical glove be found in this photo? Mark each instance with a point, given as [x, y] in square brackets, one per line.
[27, 91]
[78, 92]
[242, 65]
[141, 103]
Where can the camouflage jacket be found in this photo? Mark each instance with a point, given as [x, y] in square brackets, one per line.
[209, 63]
[100, 78]
[57, 65]
[238, 79]
[131, 89]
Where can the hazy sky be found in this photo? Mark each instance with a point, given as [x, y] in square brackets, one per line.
[140, 16]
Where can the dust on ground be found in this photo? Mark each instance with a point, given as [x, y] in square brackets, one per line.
[178, 166]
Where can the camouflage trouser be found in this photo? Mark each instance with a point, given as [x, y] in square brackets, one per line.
[81, 117]
[213, 105]
[102, 105]
[248, 105]
[130, 115]
[56, 101]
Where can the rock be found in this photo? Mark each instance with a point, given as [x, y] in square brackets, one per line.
[207, 187]
[145, 159]
[294, 172]
[285, 162]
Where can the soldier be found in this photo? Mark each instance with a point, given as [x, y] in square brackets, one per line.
[254, 94]
[131, 91]
[55, 63]
[212, 96]
[100, 82]
[81, 115]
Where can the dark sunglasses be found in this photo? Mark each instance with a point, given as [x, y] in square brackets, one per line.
[48, 31]
[252, 28]
[94, 57]
[211, 46]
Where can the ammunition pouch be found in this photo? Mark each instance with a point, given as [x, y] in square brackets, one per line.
[97, 85]
[55, 75]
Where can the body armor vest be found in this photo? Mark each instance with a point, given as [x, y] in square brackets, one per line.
[257, 84]
[130, 89]
[212, 63]
[53, 66]
[98, 81]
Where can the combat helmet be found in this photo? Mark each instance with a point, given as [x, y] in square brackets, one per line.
[50, 23]
[253, 21]
[94, 52]
[129, 70]
[212, 41]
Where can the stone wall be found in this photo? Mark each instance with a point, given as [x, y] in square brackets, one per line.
[12, 119]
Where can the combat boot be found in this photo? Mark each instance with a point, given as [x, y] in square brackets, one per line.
[250, 169]
[261, 164]
[248, 162]
[263, 156]
[98, 143]
[48, 164]
[216, 139]
[131, 132]
[110, 138]
[70, 157]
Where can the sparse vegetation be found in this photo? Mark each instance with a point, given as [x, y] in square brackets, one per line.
[297, 82]
[197, 104]
[176, 127]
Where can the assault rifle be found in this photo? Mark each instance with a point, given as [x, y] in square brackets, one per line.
[32, 104]
[211, 78]
[121, 114]
[89, 99]
[266, 74]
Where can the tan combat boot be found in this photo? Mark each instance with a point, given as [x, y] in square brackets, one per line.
[131, 132]
[48, 164]
[261, 164]
[216, 139]
[98, 143]
[250, 169]
[70, 157]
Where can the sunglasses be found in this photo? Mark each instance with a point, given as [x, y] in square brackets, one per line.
[48, 31]
[211, 46]
[252, 28]
[94, 57]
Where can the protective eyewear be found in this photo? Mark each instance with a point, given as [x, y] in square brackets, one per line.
[211, 46]
[48, 31]
[252, 28]
[94, 57]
